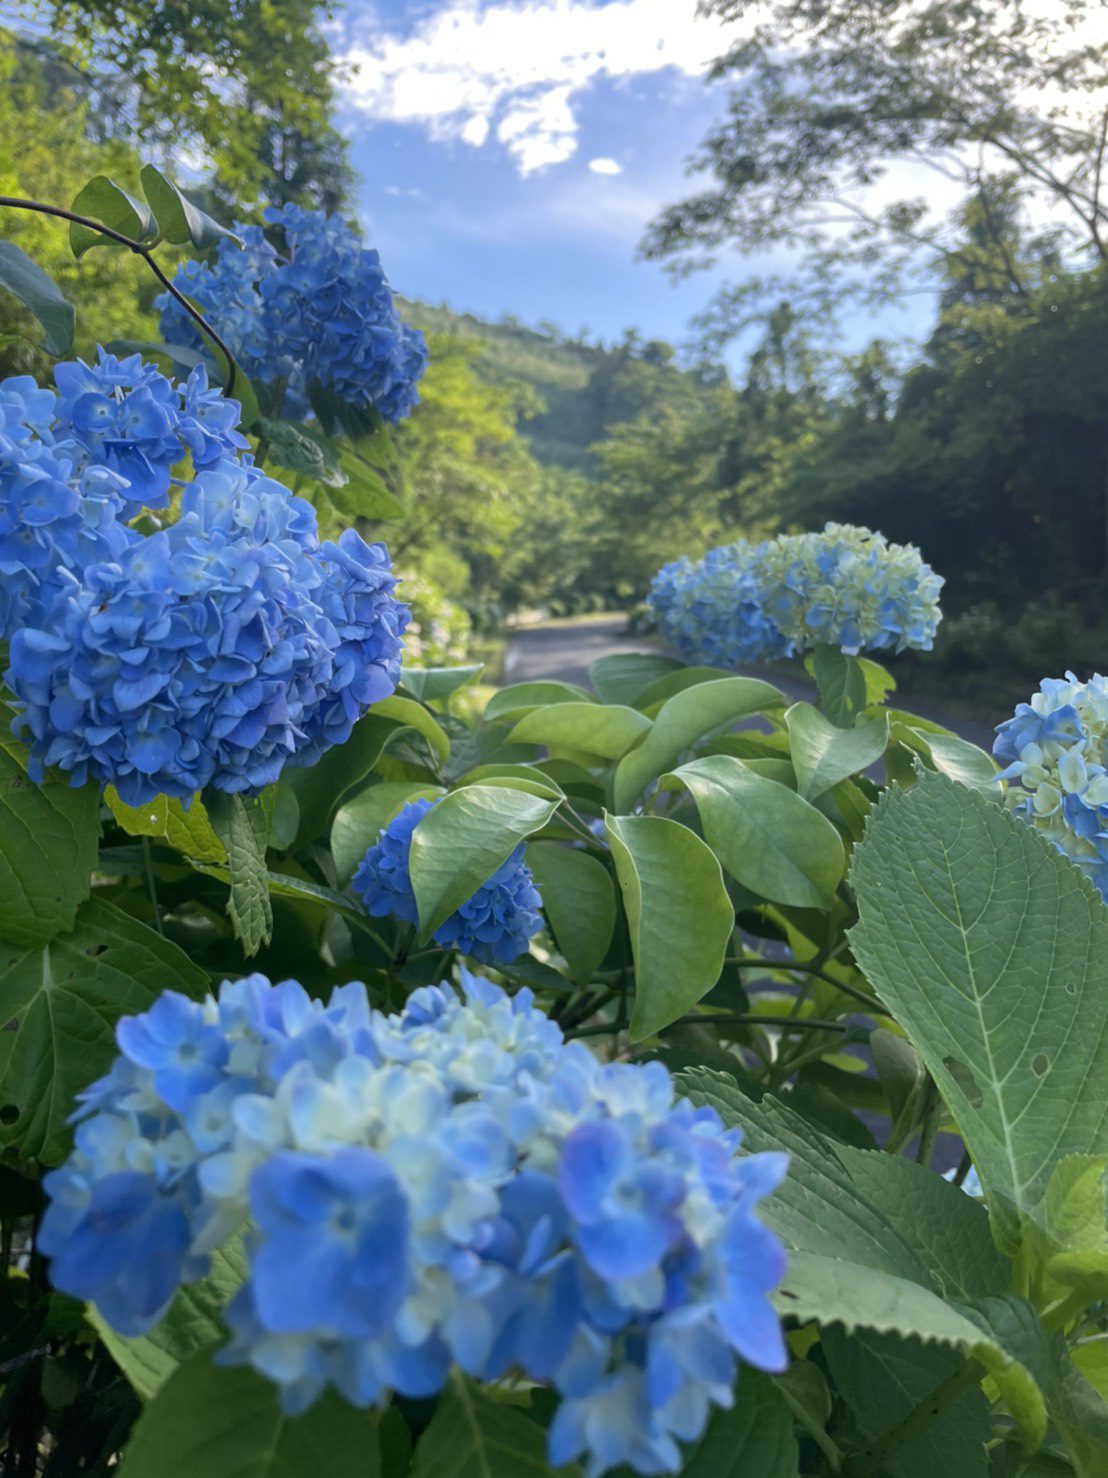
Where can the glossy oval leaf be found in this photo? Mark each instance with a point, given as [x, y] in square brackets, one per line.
[515, 777]
[103, 200]
[26, 280]
[823, 754]
[358, 823]
[682, 720]
[434, 684]
[769, 839]
[672, 683]
[522, 697]
[579, 901]
[607, 730]
[678, 914]
[621, 677]
[179, 220]
[460, 844]
[413, 715]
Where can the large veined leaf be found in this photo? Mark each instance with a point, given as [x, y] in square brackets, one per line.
[473, 1436]
[823, 754]
[103, 200]
[242, 825]
[607, 730]
[461, 842]
[622, 677]
[769, 839]
[850, 1263]
[358, 823]
[193, 1324]
[992, 951]
[682, 720]
[752, 1439]
[190, 832]
[210, 1422]
[579, 901]
[48, 841]
[678, 913]
[64, 1000]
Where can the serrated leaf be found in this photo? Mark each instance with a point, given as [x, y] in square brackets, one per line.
[190, 832]
[607, 730]
[682, 720]
[242, 826]
[992, 951]
[823, 754]
[299, 449]
[678, 914]
[767, 837]
[473, 1436]
[179, 220]
[26, 280]
[358, 823]
[462, 841]
[579, 901]
[63, 1002]
[103, 200]
[48, 847]
[622, 677]
[211, 1422]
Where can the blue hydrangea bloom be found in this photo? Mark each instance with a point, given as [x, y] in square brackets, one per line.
[493, 926]
[845, 587]
[213, 652]
[323, 313]
[451, 1186]
[1055, 753]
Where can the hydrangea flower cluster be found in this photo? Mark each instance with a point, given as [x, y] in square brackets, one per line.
[453, 1185]
[324, 314]
[492, 926]
[846, 587]
[214, 651]
[1055, 749]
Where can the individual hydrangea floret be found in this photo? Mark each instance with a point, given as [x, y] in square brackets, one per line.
[845, 587]
[213, 652]
[493, 926]
[1055, 753]
[451, 1186]
[322, 313]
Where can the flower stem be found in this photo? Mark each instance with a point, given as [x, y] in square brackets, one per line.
[148, 868]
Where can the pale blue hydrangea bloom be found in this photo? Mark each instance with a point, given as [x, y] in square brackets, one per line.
[494, 925]
[845, 587]
[1055, 750]
[453, 1185]
[322, 314]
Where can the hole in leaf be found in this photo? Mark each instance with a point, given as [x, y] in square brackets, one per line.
[9, 1114]
[964, 1079]
[1039, 1064]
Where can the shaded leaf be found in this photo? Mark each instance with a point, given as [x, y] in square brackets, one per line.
[579, 900]
[26, 280]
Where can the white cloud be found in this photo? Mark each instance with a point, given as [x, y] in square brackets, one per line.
[514, 68]
[605, 166]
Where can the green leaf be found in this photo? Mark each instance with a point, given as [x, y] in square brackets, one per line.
[190, 832]
[210, 1422]
[48, 847]
[299, 449]
[461, 842]
[671, 683]
[879, 682]
[358, 823]
[678, 914]
[320, 789]
[103, 200]
[580, 902]
[841, 681]
[622, 677]
[956, 758]
[1072, 1239]
[768, 838]
[883, 1377]
[683, 719]
[1080, 1413]
[473, 1436]
[992, 951]
[752, 1439]
[607, 730]
[434, 684]
[413, 715]
[851, 1263]
[26, 280]
[520, 698]
[193, 1324]
[823, 754]
[243, 828]
[64, 1001]
[179, 220]
[517, 777]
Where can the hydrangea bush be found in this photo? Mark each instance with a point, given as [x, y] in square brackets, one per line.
[676, 1184]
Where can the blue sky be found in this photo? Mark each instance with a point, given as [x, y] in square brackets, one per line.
[510, 153]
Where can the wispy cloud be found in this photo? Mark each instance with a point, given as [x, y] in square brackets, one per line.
[605, 166]
[511, 71]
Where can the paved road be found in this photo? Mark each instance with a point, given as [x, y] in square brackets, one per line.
[565, 652]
